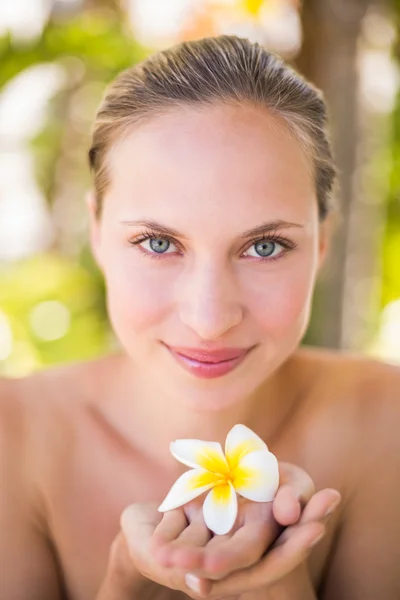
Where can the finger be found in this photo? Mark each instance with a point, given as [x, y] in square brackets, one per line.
[138, 522]
[144, 527]
[214, 556]
[197, 534]
[319, 509]
[276, 564]
[296, 489]
[245, 548]
[225, 554]
[193, 555]
[211, 547]
[201, 587]
[172, 524]
[321, 505]
[170, 527]
[186, 552]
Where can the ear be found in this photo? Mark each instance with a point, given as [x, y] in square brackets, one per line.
[94, 226]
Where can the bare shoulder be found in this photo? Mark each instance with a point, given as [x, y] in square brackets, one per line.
[351, 397]
[363, 396]
[355, 402]
[24, 548]
[367, 386]
[30, 404]
[57, 394]
[38, 414]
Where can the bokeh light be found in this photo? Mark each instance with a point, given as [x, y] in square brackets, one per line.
[50, 320]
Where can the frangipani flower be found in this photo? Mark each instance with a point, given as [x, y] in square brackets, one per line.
[247, 467]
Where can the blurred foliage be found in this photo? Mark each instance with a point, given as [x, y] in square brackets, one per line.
[391, 248]
[103, 44]
[90, 48]
[50, 282]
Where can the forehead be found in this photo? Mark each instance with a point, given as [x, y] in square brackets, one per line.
[211, 157]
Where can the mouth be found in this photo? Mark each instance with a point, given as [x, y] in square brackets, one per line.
[208, 364]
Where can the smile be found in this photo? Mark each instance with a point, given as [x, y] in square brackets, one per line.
[208, 364]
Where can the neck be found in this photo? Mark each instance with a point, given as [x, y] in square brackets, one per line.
[154, 420]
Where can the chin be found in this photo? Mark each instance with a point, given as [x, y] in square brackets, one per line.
[214, 395]
[207, 401]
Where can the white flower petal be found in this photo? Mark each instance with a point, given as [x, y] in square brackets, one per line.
[188, 486]
[240, 441]
[257, 476]
[197, 453]
[220, 508]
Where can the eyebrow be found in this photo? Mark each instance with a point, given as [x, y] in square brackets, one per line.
[260, 230]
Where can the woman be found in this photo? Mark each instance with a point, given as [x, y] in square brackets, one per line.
[210, 218]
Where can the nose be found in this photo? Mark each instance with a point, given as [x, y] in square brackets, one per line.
[208, 302]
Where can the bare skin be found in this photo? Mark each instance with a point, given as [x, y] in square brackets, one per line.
[82, 473]
[231, 198]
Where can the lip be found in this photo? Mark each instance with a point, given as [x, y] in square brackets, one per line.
[208, 364]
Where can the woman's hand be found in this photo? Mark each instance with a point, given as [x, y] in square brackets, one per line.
[282, 570]
[258, 525]
[176, 550]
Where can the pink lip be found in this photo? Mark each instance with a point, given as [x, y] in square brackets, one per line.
[208, 364]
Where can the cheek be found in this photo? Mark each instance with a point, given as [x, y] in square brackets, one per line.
[283, 300]
[136, 294]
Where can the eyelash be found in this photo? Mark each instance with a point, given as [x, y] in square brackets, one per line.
[148, 234]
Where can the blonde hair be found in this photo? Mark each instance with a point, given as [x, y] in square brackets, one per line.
[209, 71]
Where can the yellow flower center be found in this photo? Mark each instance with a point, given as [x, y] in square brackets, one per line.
[222, 472]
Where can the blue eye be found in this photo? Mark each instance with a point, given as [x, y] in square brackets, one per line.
[156, 245]
[159, 245]
[264, 249]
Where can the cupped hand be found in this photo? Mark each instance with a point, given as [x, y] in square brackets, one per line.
[257, 526]
[178, 551]
[279, 562]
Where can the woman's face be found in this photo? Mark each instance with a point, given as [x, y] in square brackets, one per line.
[209, 240]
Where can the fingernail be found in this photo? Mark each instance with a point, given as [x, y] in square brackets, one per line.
[193, 582]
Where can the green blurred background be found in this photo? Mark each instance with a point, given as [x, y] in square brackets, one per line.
[56, 57]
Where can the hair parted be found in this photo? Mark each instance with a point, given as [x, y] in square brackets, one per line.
[222, 69]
